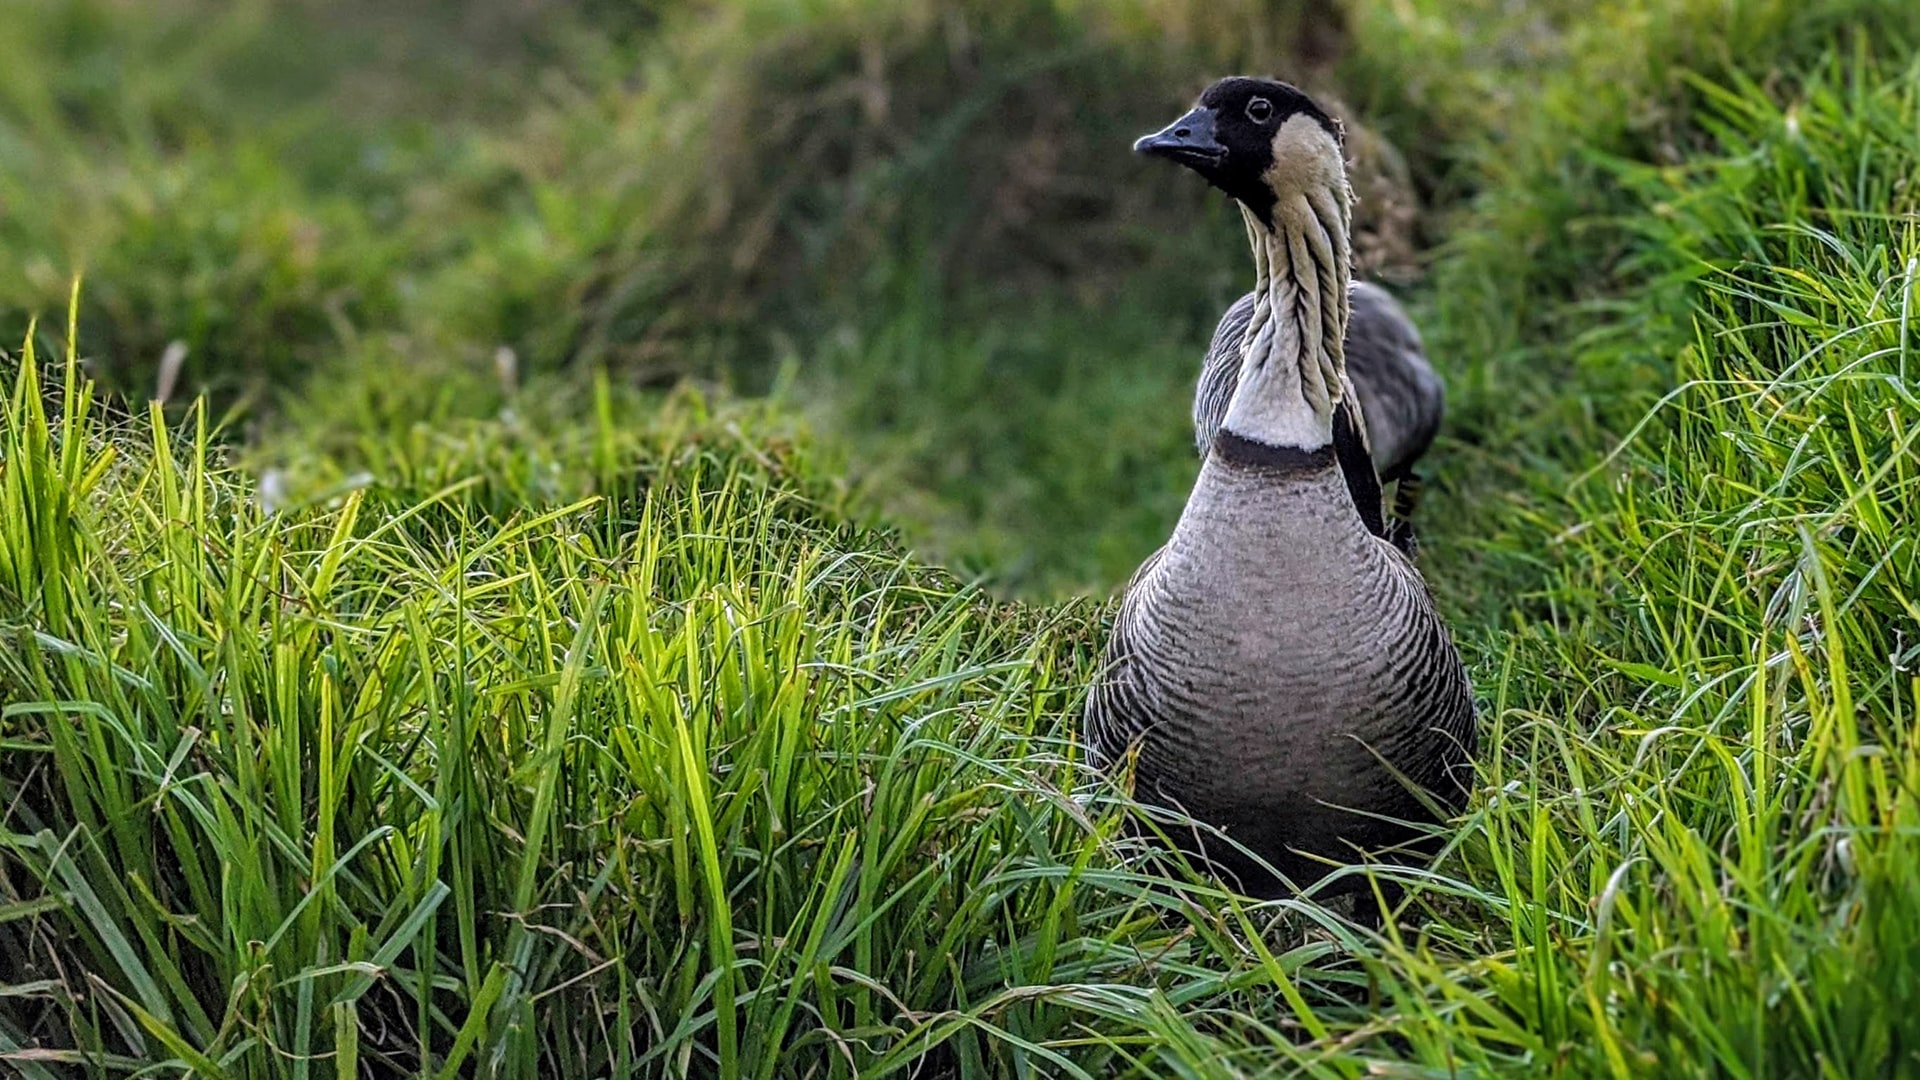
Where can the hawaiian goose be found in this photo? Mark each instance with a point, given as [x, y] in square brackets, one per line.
[1278, 662]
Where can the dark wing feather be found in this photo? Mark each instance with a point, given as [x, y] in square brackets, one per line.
[1350, 449]
[1401, 396]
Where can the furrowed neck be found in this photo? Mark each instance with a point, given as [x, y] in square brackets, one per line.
[1293, 357]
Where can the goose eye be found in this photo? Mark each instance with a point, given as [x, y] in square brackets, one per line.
[1259, 110]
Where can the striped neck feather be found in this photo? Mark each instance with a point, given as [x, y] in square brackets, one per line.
[1293, 357]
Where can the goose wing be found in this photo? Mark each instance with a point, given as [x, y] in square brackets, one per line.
[1399, 392]
[1120, 705]
[1356, 464]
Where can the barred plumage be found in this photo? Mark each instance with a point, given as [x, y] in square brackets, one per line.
[1271, 662]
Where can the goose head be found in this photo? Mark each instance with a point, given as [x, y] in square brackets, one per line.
[1258, 140]
[1279, 155]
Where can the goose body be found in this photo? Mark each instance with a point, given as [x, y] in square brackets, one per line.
[1400, 396]
[1269, 659]
[1278, 670]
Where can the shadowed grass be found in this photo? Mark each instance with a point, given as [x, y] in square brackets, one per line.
[677, 189]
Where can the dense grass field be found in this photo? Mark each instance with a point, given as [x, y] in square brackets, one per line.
[519, 645]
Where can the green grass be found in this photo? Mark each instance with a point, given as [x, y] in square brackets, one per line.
[679, 775]
[542, 725]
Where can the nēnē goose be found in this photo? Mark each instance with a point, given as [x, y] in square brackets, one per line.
[1278, 666]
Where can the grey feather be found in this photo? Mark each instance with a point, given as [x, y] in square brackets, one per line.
[1274, 665]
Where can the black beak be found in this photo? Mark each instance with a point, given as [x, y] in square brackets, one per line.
[1188, 141]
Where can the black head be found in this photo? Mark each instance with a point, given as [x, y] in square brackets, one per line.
[1229, 136]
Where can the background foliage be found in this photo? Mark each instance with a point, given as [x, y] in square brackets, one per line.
[511, 667]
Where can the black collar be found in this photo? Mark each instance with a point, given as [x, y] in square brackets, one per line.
[1236, 449]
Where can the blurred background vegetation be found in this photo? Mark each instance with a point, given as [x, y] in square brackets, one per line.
[918, 220]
